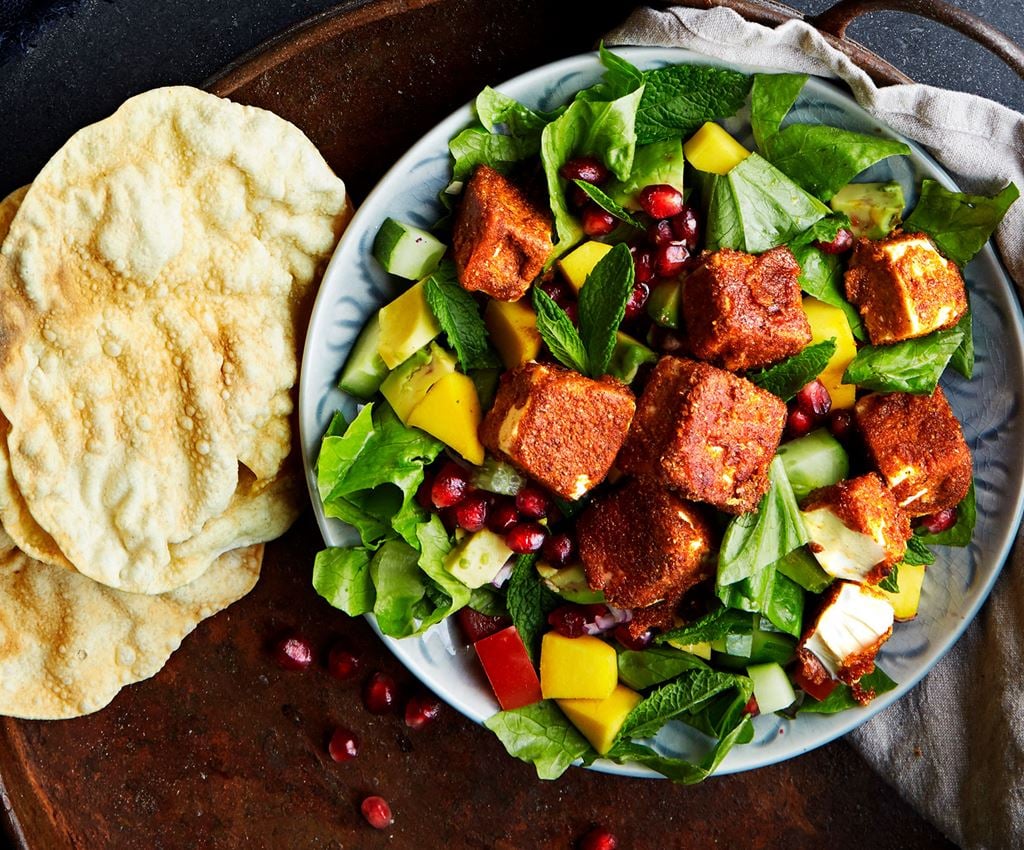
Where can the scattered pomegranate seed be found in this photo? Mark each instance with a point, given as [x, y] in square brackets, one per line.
[502, 516]
[661, 200]
[798, 423]
[293, 653]
[637, 299]
[814, 400]
[557, 291]
[671, 258]
[568, 620]
[342, 663]
[840, 423]
[476, 626]
[344, 745]
[598, 838]
[450, 485]
[643, 265]
[840, 245]
[421, 710]
[659, 232]
[557, 549]
[632, 641]
[525, 537]
[939, 521]
[380, 693]
[685, 227]
[471, 512]
[596, 221]
[532, 502]
[751, 707]
[377, 812]
[423, 493]
[589, 169]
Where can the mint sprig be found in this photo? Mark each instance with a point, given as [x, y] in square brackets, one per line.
[787, 378]
[458, 314]
[608, 204]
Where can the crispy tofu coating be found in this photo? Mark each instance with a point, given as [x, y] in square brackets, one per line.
[866, 506]
[659, 617]
[559, 427]
[904, 288]
[916, 443]
[742, 311]
[500, 239]
[643, 544]
[707, 433]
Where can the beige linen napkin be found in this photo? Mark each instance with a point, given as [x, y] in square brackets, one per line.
[954, 746]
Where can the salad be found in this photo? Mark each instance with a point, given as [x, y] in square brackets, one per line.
[656, 421]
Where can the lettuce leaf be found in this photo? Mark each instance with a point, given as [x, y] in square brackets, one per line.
[841, 697]
[342, 577]
[540, 735]
[650, 667]
[400, 588]
[451, 593]
[911, 366]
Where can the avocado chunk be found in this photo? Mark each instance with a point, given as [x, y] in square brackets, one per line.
[570, 583]
[478, 558]
[653, 164]
[364, 370]
[663, 304]
[628, 356]
[874, 209]
[406, 387]
[406, 325]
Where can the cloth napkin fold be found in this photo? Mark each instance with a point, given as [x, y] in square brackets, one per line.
[954, 746]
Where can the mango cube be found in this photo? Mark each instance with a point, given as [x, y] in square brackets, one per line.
[599, 720]
[713, 150]
[577, 668]
[907, 599]
[406, 325]
[828, 322]
[513, 329]
[450, 411]
[407, 385]
[580, 262]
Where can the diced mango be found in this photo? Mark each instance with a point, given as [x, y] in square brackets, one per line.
[905, 602]
[601, 719]
[407, 385]
[513, 329]
[577, 668]
[713, 150]
[829, 322]
[406, 325]
[450, 411]
[580, 262]
[701, 650]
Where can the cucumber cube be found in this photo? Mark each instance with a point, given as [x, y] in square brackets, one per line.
[407, 251]
[772, 688]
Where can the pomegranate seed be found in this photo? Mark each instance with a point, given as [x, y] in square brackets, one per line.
[589, 169]
[633, 641]
[840, 423]
[377, 812]
[525, 537]
[471, 512]
[568, 620]
[476, 626]
[842, 243]
[293, 653]
[423, 493]
[671, 258]
[798, 423]
[577, 198]
[421, 710]
[751, 707]
[661, 200]
[557, 291]
[342, 664]
[557, 549]
[450, 485]
[380, 693]
[573, 312]
[637, 299]
[532, 502]
[596, 221]
[814, 400]
[643, 265]
[685, 227]
[939, 521]
[502, 516]
[598, 838]
[659, 232]
[344, 745]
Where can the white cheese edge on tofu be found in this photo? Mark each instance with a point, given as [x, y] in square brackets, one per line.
[854, 621]
[896, 253]
[902, 475]
[841, 551]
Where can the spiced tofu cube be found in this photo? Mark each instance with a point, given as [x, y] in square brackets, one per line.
[642, 544]
[559, 427]
[500, 238]
[904, 288]
[857, 531]
[707, 433]
[742, 311]
[916, 443]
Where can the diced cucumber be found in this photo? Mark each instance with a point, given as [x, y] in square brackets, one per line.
[772, 688]
[757, 646]
[814, 461]
[364, 370]
[405, 250]
[802, 567]
[496, 476]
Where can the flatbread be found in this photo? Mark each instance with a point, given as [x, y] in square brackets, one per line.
[68, 644]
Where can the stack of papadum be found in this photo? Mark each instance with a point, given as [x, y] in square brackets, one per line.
[155, 281]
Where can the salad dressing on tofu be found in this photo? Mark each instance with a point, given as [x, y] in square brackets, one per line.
[657, 418]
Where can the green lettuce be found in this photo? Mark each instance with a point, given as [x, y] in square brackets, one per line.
[911, 366]
[650, 667]
[541, 735]
[342, 577]
[401, 588]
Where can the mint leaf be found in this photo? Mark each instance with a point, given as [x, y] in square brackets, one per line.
[529, 603]
[963, 358]
[458, 314]
[958, 223]
[712, 626]
[918, 553]
[687, 693]
[787, 378]
[558, 332]
[602, 306]
[841, 697]
[679, 98]
[540, 735]
[891, 582]
[434, 546]
[961, 532]
[342, 577]
[400, 588]
[911, 366]
[621, 77]
[650, 667]
[608, 204]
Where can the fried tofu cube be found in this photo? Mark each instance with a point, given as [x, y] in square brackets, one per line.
[904, 288]
[643, 544]
[500, 238]
[707, 433]
[916, 443]
[742, 311]
[559, 427]
[857, 531]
